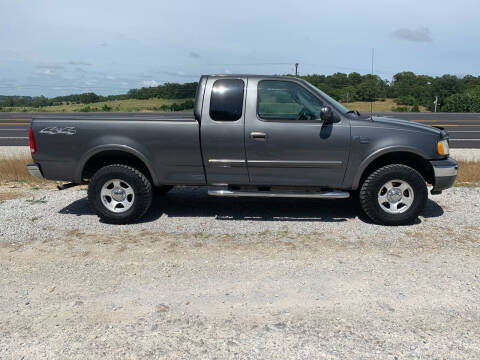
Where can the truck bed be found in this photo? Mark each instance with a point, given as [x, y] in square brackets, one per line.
[169, 142]
[120, 116]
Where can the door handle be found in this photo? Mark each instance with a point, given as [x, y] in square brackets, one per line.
[258, 135]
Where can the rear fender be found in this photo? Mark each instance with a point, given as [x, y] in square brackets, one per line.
[118, 147]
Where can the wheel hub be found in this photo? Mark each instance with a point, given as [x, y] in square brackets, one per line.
[118, 194]
[394, 195]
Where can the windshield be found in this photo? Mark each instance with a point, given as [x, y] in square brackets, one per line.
[331, 100]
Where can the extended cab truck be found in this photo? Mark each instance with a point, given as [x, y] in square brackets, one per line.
[267, 136]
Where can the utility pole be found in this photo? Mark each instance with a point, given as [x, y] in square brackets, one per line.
[296, 69]
[436, 103]
[373, 90]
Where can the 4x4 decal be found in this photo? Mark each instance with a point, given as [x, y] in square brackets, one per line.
[58, 130]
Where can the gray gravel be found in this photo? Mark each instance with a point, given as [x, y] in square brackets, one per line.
[205, 278]
[192, 211]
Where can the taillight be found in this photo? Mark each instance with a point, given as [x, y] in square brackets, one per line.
[33, 146]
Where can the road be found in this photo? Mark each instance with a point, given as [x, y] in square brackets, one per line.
[464, 128]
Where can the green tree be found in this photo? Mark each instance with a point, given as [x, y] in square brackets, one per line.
[457, 103]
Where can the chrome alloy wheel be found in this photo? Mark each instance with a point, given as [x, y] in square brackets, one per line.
[117, 195]
[395, 197]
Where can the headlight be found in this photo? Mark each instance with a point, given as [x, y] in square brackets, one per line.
[442, 147]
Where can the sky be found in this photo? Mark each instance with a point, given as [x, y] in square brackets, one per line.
[60, 47]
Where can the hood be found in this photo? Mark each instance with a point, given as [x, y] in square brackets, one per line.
[406, 125]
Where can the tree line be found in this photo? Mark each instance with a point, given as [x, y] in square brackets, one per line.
[454, 94]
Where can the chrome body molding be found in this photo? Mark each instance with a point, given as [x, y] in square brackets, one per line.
[285, 194]
[450, 170]
[293, 163]
[226, 162]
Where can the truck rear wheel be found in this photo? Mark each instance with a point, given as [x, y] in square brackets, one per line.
[119, 194]
[393, 195]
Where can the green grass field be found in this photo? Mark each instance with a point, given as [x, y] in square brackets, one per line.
[378, 106]
[129, 105]
[133, 105]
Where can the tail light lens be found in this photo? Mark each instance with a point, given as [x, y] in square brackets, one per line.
[33, 146]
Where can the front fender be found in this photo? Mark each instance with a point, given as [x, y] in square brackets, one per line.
[357, 175]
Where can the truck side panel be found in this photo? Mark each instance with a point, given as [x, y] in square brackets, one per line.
[168, 145]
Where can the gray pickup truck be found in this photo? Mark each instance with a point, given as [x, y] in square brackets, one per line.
[264, 136]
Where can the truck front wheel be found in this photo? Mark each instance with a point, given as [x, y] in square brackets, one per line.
[393, 195]
[119, 194]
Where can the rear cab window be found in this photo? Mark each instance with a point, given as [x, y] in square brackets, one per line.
[226, 101]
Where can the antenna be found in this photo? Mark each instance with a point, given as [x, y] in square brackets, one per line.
[373, 87]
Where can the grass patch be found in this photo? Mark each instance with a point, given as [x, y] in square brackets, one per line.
[155, 104]
[378, 106]
[128, 105]
[15, 169]
[468, 172]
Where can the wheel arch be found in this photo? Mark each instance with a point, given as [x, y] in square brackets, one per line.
[405, 156]
[114, 154]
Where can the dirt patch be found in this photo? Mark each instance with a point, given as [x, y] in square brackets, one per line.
[127, 295]
[468, 172]
[10, 195]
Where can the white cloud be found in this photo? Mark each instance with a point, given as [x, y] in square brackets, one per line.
[50, 66]
[149, 83]
[44, 72]
[75, 62]
[422, 34]
[194, 55]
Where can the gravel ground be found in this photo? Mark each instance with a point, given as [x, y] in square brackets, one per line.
[237, 279]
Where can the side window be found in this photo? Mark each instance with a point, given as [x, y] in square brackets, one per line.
[226, 102]
[285, 100]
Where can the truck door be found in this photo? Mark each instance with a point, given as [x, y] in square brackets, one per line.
[223, 130]
[285, 140]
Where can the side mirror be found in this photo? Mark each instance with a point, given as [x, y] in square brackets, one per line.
[326, 114]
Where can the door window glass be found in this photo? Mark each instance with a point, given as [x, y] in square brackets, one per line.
[226, 102]
[286, 100]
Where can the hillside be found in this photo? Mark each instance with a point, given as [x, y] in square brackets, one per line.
[128, 105]
[405, 92]
[154, 104]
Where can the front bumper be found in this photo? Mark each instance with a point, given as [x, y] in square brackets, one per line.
[35, 171]
[445, 172]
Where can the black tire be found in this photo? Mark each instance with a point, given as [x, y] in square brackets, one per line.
[141, 186]
[371, 187]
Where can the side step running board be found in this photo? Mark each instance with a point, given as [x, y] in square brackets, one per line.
[284, 194]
